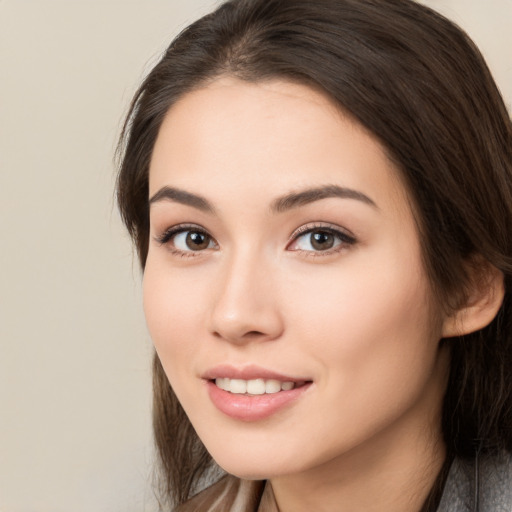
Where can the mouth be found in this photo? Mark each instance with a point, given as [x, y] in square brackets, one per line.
[252, 393]
[255, 387]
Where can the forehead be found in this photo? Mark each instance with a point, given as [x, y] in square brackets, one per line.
[275, 135]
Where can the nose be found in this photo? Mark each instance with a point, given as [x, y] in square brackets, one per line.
[245, 303]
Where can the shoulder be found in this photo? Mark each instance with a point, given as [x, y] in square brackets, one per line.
[483, 484]
[495, 483]
[229, 494]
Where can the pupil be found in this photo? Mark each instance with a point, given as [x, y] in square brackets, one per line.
[197, 241]
[322, 240]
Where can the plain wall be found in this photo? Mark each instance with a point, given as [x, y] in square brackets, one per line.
[74, 352]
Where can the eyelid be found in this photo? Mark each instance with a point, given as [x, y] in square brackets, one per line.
[166, 236]
[346, 237]
[323, 226]
[169, 232]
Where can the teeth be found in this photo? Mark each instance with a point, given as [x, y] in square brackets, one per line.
[286, 386]
[254, 386]
[238, 386]
[272, 386]
[223, 384]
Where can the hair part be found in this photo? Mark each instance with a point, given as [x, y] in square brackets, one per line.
[418, 84]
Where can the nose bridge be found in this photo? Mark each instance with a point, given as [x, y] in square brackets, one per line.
[245, 304]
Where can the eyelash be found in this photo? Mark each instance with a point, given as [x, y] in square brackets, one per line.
[343, 236]
[345, 239]
[168, 234]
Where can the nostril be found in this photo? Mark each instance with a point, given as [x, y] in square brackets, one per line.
[249, 334]
[253, 334]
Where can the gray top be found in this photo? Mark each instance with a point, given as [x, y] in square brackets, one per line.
[480, 485]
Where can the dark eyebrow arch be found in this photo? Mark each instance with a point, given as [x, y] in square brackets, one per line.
[280, 205]
[180, 196]
[296, 199]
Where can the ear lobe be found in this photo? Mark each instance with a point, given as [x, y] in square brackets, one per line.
[484, 299]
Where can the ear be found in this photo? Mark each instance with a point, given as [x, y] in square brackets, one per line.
[483, 300]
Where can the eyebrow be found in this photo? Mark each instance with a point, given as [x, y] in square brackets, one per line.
[177, 195]
[279, 205]
[310, 195]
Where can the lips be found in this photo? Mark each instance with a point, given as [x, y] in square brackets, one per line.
[249, 372]
[252, 393]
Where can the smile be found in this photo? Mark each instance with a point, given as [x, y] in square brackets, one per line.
[254, 399]
[255, 386]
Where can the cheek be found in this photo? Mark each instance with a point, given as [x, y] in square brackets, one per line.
[172, 307]
[373, 340]
[373, 320]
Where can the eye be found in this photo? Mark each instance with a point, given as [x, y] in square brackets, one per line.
[187, 239]
[192, 241]
[320, 239]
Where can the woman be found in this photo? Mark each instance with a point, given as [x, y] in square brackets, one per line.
[320, 194]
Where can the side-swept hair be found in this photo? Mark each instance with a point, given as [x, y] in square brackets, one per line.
[419, 84]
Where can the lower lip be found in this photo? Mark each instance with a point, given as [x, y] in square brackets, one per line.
[253, 407]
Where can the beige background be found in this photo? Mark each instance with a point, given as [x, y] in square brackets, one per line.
[74, 352]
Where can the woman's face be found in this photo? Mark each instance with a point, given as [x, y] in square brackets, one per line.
[284, 254]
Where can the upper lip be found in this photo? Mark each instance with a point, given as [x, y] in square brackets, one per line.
[248, 372]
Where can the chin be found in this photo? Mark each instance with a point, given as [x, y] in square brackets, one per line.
[256, 462]
[260, 461]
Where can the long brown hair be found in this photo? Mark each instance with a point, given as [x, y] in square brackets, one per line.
[419, 84]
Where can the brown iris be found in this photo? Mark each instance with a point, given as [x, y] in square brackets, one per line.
[197, 241]
[322, 240]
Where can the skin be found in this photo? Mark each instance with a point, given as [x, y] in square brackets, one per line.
[358, 320]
